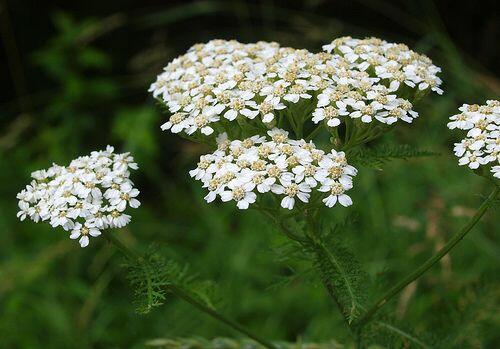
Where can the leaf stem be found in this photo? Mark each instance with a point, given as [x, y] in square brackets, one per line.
[431, 261]
[179, 292]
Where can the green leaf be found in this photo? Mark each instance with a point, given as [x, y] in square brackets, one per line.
[391, 333]
[377, 157]
[340, 271]
[152, 275]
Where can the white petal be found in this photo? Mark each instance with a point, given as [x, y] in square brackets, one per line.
[84, 241]
[134, 203]
[242, 204]
[287, 202]
[330, 201]
[226, 196]
[268, 118]
[231, 114]
[94, 232]
[345, 200]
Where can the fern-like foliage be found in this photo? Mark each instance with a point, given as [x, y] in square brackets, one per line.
[377, 157]
[339, 270]
[150, 276]
[388, 333]
[153, 277]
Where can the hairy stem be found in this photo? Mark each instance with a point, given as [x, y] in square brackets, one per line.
[179, 292]
[431, 261]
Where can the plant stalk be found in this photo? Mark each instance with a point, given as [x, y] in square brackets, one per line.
[179, 292]
[209, 311]
[431, 261]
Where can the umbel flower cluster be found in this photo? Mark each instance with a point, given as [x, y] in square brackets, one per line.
[481, 147]
[222, 81]
[89, 195]
[239, 170]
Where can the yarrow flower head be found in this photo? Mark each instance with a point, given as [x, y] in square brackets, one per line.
[241, 170]
[253, 95]
[223, 81]
[481, 146]
[89, 195]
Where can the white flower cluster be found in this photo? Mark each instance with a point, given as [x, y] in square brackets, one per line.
[482, 144]
[89, 195]
[240, 169]
[228, 80]
[366, 78]
[394, 62]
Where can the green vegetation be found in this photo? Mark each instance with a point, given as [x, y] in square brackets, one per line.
[82, 83]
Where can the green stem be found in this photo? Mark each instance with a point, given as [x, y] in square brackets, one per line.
[209, 311]
[179, 292]
[431, 261]
[314, 132]
[291, 120]
[128, 252]
[281, 224]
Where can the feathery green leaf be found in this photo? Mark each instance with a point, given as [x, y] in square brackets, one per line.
[377, 157]
[152, 275]
[340, 271]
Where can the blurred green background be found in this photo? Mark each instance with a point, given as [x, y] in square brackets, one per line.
[75, 77]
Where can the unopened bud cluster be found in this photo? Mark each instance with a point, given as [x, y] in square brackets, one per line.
[89, 195]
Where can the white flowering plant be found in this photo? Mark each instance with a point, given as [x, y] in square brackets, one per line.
[263, 106]
[283, 129]
[85, 197]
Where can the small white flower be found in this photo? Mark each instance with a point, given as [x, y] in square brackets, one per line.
[126, 196]
[472, 159]
[242, 105]
[240, 192]
[116, 219]
[268, 106]
[331, 114]
[291, 190]
[83, 232]
[461, 121]
[336, 191]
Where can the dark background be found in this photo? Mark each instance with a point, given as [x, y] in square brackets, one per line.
[75, 77]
